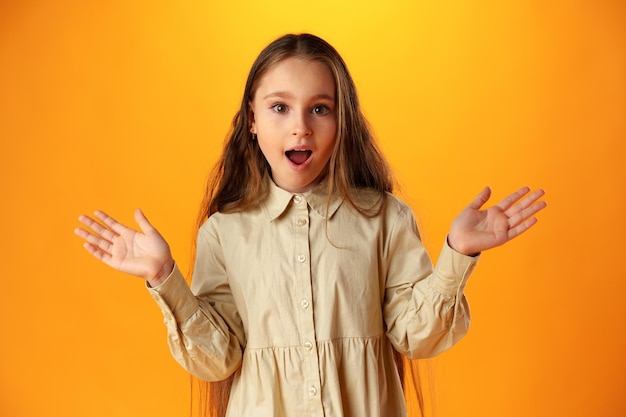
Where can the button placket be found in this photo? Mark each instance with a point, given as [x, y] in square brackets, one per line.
[306, 326]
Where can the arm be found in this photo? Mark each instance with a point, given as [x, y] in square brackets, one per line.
[204, 333]
[425, 309]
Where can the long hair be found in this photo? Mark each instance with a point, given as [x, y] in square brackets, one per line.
[237, 180]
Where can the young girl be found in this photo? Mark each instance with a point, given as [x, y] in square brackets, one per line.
[309, 274]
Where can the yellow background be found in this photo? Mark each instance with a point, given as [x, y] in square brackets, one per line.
[117, 105]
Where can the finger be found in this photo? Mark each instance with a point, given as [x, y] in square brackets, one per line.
[511, 199]
[526, 208]
[521, 228]
[113, 224]
[142, 221]
[481, 198]
[97, 253]
[526, 213]
[82, 233]
[93, 240]
[527, 201]
[97, 228]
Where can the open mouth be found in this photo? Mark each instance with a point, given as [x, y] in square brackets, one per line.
[298, 156]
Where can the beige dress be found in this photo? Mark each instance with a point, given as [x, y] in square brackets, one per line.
[305, 301]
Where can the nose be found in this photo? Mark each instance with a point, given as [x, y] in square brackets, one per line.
[301, 125]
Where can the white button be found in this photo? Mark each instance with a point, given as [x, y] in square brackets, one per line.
[297, 199]
[304, 303]
[312, 391]
[301, 221]
[308, 345]
[301, 258]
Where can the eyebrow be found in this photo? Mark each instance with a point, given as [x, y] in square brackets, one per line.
[286, 94]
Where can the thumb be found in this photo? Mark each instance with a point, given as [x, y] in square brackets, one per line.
[143, 222]
[481, 198]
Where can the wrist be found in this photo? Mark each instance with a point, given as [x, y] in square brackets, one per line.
[164, 272]
[462, 249]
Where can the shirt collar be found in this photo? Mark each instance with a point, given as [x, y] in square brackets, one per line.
[278, 200]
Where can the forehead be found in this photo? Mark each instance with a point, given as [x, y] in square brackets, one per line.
[297, 76]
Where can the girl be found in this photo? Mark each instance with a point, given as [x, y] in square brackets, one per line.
[309, 274]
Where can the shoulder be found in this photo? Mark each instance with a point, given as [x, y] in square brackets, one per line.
[396, 205]
[385, 204]
[229, 222]
[390, 213]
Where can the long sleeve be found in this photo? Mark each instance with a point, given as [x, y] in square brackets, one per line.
[205, 333]
[302, 295]
[425, 309]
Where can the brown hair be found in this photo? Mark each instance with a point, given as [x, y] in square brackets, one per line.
[237, 180]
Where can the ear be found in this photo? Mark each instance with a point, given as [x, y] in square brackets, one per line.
[251, 120]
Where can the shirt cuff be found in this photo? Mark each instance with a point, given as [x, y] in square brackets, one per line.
[174, 297]
[452, 271]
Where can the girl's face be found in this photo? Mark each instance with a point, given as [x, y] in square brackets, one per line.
[294, 117]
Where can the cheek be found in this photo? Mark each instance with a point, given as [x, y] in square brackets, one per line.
[270, 151]
[330, 134]
[269, 125]
[328, 146]
[325, 128]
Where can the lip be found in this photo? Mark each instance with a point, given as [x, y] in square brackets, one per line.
[305, 164]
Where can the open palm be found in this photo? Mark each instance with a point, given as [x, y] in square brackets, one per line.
[475, 230]
[142, 253]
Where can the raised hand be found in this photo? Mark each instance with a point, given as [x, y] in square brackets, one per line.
[475, 230]
[142, 253]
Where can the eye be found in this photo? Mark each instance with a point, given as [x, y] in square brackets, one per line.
[279, 108]
[321, 109]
